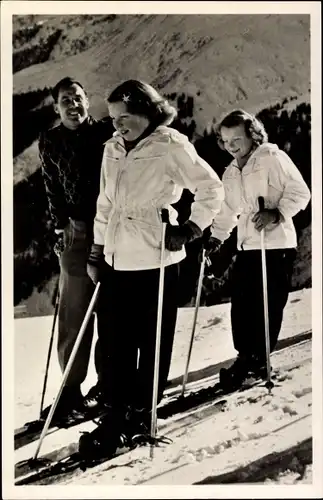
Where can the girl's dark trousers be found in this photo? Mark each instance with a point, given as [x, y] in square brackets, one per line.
[127, 316]
[247, 306]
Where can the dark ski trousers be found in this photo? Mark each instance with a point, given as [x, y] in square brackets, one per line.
[76, 290]
[127, 317]
[247, 307]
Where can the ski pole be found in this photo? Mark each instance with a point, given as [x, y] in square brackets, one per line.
[165, 219]
[197, 305]
[50, 347]
[68, 368]
[269, 383]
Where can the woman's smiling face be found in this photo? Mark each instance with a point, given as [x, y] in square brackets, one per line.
[129, 126]
[236, 141]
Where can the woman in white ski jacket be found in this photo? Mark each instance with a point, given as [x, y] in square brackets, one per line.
[145, 167]
[259, 169]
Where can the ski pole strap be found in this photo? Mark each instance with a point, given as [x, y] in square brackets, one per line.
[165, 215]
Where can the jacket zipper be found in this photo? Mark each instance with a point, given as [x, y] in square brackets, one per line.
[243, 194]
[115, 196]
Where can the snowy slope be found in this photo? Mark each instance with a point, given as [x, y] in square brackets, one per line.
[212, 345]
[209, 444]
[229, 443]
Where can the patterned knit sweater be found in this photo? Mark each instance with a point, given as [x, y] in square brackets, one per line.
[71, 165]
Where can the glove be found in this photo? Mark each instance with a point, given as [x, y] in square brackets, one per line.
[95, 262]
[59, 244]
[266, 216]
[211, 245]
[177, 236]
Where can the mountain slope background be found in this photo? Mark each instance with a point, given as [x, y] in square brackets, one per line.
[206, 64]
[224, 60]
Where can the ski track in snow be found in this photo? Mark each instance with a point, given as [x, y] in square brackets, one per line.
[251, 425]
[219, 439]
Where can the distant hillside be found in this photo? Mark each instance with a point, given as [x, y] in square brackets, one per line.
[223, 60]
[217, 62]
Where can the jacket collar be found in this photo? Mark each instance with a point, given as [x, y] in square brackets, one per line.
[79, 130]
[119, 139]
[264, 148]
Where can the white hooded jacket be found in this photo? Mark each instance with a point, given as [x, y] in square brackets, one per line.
[134, 187]
[269, 172]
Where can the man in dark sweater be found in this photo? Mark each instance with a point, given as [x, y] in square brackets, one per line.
[71, 155]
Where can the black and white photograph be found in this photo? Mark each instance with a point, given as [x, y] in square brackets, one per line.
[161, 183]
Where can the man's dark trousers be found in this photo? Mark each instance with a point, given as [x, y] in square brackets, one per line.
[76, 290]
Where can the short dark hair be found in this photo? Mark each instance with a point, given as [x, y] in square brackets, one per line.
[64, 84]
[253, 126]
[142, 99]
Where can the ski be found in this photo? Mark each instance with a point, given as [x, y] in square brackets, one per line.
[197, 405]
[31, 430]
[63, 461]
[174, 413]
[67, 459]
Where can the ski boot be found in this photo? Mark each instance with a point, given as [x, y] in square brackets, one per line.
[258, 367]
[104, 441]
[138, 429]
[138, 423]
[232, 378]
[93, 401]
[69, 408]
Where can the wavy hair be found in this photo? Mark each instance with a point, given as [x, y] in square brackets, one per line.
[65, 83]
[254, 128]
[142, 99]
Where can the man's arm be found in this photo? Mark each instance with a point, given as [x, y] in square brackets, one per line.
[54, 189]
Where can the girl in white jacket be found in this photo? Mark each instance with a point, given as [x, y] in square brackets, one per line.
[258, 169]
[145, 167]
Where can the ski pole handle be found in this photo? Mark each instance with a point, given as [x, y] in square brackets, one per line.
[208, 261]
[165, 215]
[261, 203]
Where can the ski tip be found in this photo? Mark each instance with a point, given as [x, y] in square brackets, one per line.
[23, 463]
[32, 463]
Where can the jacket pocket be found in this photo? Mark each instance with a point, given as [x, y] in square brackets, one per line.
[148, 158]
[255, 183]
[143, 234]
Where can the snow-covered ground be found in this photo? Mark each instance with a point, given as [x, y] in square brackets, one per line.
[212, 345]
[211, 443]
[253, 438]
